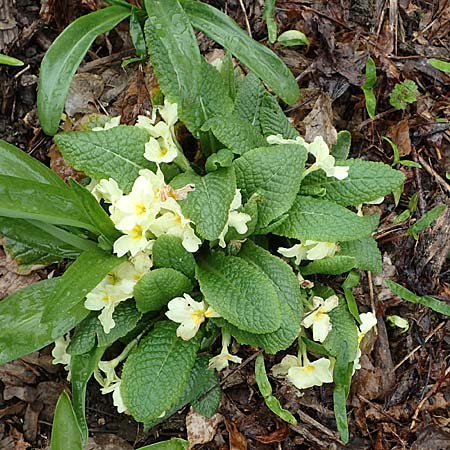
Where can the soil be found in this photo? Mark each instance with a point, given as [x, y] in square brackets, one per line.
[400, 399]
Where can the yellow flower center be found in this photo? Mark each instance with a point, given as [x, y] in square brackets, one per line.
[140, 209]
[113, 278]
[177, 219]
[309, 368]
[198, 316]
[163, 151]
[105, 297]
[137, 232]
[209, 313]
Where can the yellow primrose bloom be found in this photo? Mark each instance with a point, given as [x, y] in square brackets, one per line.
[368, 321]
[222, 360]
[59, 353]
[111, 123]
[319, 319]
[311, 250]
[237, 220]
[190, 314]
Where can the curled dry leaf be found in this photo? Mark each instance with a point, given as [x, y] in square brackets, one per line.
[319, 122]
[237, 439]
[201, 429]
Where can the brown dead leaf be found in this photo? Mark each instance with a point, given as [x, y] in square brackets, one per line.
[399, 133]
[11, 279]
[201, 429]
[319, 122]
[237, 439]
[19, 443]
[432, 439]
[278, 435]
[83, 93]
[59, 165]
[107, 442]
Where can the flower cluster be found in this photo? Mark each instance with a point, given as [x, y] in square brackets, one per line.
[319, 149]
[116, 287]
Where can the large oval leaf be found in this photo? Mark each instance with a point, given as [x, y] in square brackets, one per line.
[258, 58]
[63, 58]
[241, 293]
[156, 374]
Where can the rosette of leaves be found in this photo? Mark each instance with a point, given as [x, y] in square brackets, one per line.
[256, 293]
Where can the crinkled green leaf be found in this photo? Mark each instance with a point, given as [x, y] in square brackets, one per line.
[366, 181]
[62, 59]
[23, 329]
[65, 430]
[333, 265]
[235, 133]
[184, 77]
[344, 332]
[157, 287]
[341, 149]
[366, 253]
[258, 58]
[249, 99]
[209, 204]
[162, 364]
[83, 275]
[168, 251]
[117, 153]
[241, 293]
[403, 93]
[274, 173]
[17, 163]
[273, 120]
[324, 221]
[223, 158]
[90, 330]
[81, 368]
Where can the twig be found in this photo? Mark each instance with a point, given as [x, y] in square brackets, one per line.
[373, 119]
[308, 419]
[433, 173]
[247, 23]
[379, 409]
[432, 391]
[411, 353]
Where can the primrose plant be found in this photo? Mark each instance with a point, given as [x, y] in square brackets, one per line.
[174, 257]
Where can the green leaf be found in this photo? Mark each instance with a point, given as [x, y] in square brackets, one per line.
[31, 244]
[172, 444]
[366, 253]
[275, 174]
[62, 59]
[350, 282]
[235, 133]
[157, 287]
[136, 33]
[24, 199]
[269, 17]
[25, 327]
[367, 87]
[249, 99]
[343, 337]
[333, 265]
[273, 120]
[258, 58]
[184, 77]
[242, 294]
[223, 158]
[90, 330]
[340, 411]
[290, 296]
[403, 93]
[209, 204]
[324, 221]
[168, 251]
[117, 153]
[430, 302]
[292, 38]
[266, 391]
[81, 369]
[79, 279]
[202, 391]
[162, 363]
[366, 181]
[341, 149]
[65, 430]
[17, 163]
[10, 61]
[426, 220]
[439, 64]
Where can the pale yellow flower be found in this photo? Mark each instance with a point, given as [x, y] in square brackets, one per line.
[319, 319]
